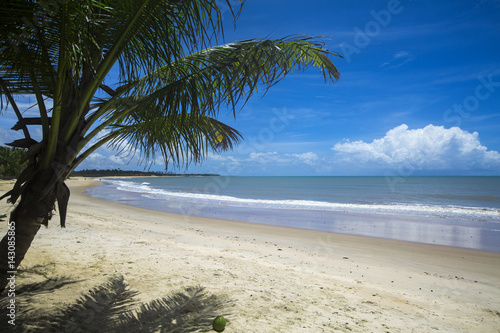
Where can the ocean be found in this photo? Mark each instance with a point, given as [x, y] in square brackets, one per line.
[451, 211]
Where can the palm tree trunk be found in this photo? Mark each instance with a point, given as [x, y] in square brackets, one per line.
[33, 210]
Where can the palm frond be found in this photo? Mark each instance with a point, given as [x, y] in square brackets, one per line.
[164, 32]
[225, 75]
[179, 139]
[147, 111]
[29, 41]
[78, 42]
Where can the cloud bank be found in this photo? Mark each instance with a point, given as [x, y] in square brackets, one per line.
[428, 148]
[308, 158]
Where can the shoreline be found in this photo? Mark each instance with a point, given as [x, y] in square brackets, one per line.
[297, 233]
[280, 279]
[275, 229]
[461, 232]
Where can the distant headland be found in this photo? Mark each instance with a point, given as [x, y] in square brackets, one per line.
[133, 173]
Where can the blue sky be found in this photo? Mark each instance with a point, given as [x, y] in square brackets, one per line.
[419, 93]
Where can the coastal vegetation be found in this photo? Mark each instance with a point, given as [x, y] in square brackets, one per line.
[133, 173]
[11, 162]
[142, 76]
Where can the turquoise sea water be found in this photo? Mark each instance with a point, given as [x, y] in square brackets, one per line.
[455, 211]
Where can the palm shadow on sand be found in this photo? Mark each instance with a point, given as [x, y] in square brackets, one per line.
[112, 307]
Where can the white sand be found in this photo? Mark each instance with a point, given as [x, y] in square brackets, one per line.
[281, 279]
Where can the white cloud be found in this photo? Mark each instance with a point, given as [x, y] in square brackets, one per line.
[103, 158]
[402, 54]
[428, 148]
[106, 157]
[307, 158]
[264, 158]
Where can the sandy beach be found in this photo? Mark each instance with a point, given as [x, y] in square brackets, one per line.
[279, 279]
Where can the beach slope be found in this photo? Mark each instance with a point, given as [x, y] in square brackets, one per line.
[279, 279]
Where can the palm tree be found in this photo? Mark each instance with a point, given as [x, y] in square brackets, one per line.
[172, 82]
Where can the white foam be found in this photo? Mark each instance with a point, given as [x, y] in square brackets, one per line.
[395, 208]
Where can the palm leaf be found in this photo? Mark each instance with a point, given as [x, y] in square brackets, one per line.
[62, 195]
[179, 139]
[204, 81]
